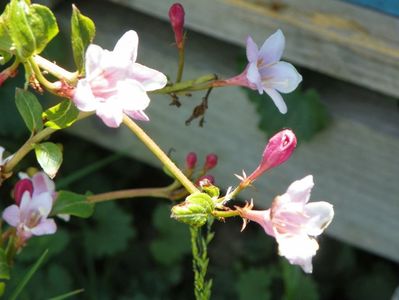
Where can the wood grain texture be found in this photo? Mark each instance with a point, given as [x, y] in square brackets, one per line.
[336, 38]
[355, 161]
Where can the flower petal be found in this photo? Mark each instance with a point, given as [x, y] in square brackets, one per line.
[253, 76]
[42, 184]
[138, 115]
[110, 112]
[298, 249]
[281, 76]
[46, 226]
[12, 215]
[320, 215]
[132, 96]
[149, 78]
[1, 155]
[42, 203]
[273, 48]
[94, 55]
[126, 47]
[299, 190]
[83, 96]
[252, 50]
[277, 99]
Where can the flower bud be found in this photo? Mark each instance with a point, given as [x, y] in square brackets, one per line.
[195, 210]
[278, 150]
[176, 16]
[22, 186]
[211, 161]
[191, 160]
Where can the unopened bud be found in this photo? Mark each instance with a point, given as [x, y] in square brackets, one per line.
[195, 210]
[211, 161]
[191, 160]
[176, 16]
[22, 186]
[206, 183]
[277, 151]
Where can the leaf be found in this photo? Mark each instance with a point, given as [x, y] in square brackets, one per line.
[5, 40]
[31, 27]
[27, 277]
[49, 156]
[4, 268]
[30, 109]
[82, 34]
[111, 232]
[61, 115]
[306, 114]
[173, 241]
[72, 204]
[254, 282]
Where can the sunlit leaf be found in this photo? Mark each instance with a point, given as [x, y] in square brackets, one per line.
[61, 115]
[72, 204]
[30, 109]
[49, 157]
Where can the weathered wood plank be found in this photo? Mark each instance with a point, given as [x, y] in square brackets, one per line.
[355, 162]
[333, 37]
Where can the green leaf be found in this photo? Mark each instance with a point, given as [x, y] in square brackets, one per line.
[82, 34]
[61, 115]
[30, 109]
[173, 240]
[5, 39]
[49, 156]
[31, 27]
[194, 210]
[72, 204]
[306, 115]
[254, 282]
[297, 285]
[4, 268]
[27, 277]
[111, 232]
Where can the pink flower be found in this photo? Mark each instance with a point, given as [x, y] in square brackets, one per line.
[265, 71]
[277, 151]
[30, 217]
[294, 222]
[176, 17]
[115, 84]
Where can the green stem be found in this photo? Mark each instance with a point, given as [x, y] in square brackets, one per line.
[28, 146]
[39, 76]
[181, 64]
[131, 193]
[201, 83]
[54, 69]
[225, 214]
[154, 148]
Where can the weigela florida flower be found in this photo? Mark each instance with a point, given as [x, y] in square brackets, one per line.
[115, 84]
[265, 71]
[294, 222]
[3, 160]
[30, 216]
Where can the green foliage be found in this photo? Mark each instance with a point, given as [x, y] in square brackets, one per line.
[61, 115]
[306, 114]
[49, 157]
[111, 231]
[27, 277]
[194, 210]
[5, 40]
[199, 244]
[30, 109]
[297, 285]
[4, 268]
[252, 283]
[172, 242]
[82, 34]
[30, 26]
[72, 204]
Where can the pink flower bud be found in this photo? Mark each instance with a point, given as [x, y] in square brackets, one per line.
[278, 150]
[206, 180]
[191, 160]
[22, 186]
[211, 161]
[176, 16]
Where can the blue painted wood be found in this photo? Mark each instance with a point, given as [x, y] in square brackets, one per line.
[386, 6]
